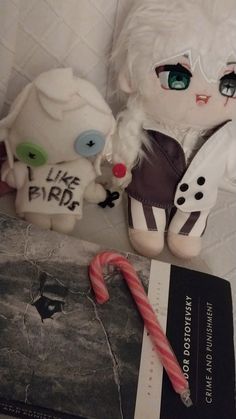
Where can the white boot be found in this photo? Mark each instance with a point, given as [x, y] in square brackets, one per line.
[147, 243]
[182, 246]
[41, 220]
[63, 223]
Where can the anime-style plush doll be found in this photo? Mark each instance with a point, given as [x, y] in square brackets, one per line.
[176, 61]
[58, 129]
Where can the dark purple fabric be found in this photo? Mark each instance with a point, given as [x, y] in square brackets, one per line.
[155, 179]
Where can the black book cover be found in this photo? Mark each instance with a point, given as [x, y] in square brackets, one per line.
[63, 356]
[200, 327]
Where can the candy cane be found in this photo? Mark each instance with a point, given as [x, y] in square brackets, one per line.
[159, 339]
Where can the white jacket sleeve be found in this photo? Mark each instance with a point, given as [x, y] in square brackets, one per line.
[198, 188]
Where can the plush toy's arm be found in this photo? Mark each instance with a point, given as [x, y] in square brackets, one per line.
[15, 177]
[95, 193]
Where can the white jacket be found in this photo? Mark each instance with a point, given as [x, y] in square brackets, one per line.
[213, 164]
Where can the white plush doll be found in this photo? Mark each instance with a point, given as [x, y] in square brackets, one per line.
[176, 61]
[58, 129]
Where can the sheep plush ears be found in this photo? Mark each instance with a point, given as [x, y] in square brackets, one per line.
[57, 84]
[57, 90]
[92, 96]
[124, 80]
[54, 89]
[6, 123]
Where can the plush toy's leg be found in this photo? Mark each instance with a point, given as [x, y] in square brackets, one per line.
[41, 220]
[63, 223]
[184, 233]
[146, 228]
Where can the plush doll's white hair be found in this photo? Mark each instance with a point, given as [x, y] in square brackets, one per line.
[157, 30]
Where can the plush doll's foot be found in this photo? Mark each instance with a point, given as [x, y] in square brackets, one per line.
[41, 220]
[147, 243]
[182, 246]
[63, 223]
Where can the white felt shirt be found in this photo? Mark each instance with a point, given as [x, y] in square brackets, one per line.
[53, 189]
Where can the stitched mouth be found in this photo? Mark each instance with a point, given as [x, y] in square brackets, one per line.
[202, 98]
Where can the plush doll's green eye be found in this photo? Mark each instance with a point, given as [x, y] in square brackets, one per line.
[174, 77]
[228, 85]
[178, 81]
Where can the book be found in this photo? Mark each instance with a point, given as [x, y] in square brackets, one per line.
[64, 356]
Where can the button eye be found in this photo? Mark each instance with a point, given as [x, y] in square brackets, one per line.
[31, 154]
[89, 143]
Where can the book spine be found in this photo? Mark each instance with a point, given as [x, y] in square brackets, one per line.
[148, 403]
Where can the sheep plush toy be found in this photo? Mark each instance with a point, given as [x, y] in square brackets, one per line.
[56, 134]
[176, 62]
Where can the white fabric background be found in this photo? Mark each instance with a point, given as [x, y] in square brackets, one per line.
[36, 35]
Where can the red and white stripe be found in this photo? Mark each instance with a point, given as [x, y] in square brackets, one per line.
[159, 339]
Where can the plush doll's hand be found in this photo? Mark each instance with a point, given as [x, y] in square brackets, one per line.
[14, 177]
[95, 193]
[8, 175]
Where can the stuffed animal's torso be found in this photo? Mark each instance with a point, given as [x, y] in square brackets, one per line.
[53, 189]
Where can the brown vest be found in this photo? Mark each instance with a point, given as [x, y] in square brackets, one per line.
[155, 178]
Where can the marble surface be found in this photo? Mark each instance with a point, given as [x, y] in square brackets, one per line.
[65, 352]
